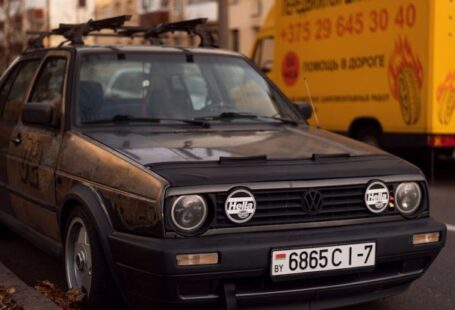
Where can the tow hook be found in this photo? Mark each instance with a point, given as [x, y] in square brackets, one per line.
[229, 296]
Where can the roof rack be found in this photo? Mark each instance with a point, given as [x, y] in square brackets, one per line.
[74, 33]
[153, 34]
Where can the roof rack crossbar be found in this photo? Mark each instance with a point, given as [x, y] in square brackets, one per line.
[189, 26]
[153, 34]
[37, 42]
[75, 33]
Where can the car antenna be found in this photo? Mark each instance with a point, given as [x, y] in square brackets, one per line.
[318, 124]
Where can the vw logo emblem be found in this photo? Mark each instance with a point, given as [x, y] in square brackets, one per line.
[240, 206]
[312, 202]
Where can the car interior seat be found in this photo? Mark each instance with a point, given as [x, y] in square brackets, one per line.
[90, 100]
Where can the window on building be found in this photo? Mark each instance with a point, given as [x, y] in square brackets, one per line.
[199, 1]
[178, 7]
[257, 10]
[118, 6]
[82, 3]
[235, 40]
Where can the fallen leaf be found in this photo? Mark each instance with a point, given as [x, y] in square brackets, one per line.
[69, 300]
[6, 299]
[11, 290]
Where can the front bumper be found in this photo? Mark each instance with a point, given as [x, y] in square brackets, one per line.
[147, 270]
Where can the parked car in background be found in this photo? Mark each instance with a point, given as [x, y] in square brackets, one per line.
[126, 83]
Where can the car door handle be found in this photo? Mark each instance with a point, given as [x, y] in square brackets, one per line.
[17, 140]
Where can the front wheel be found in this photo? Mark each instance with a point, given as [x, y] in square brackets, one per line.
[85, 265]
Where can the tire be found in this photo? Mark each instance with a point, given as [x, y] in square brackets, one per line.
[85, 264]
[446, 107]
[369, 135]
[409, 96]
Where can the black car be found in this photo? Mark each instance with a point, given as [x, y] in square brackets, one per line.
[171, 177]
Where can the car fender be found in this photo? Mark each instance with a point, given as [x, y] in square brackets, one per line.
[87, 196]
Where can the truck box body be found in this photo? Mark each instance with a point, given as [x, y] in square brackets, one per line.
[387, 64]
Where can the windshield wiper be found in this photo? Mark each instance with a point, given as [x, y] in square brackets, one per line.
[228, 116]
[283, 120]
[235, 115]
[124, 118]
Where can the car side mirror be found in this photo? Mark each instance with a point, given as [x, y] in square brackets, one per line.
[38, 113]
[304, 108]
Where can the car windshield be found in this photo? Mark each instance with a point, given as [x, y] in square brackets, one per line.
[157, 88]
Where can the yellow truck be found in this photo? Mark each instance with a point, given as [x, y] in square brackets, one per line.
[381, 71]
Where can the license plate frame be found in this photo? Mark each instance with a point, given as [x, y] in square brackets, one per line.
[312, 272]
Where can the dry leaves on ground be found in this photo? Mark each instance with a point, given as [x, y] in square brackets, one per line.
[69, 300]
[6, 299]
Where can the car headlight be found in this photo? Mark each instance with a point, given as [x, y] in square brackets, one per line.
[189, 213]
[408, 197]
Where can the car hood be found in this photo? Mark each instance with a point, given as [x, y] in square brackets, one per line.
[285, 143]
[203, 158]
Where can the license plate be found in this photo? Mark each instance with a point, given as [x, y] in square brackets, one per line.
[297, 261]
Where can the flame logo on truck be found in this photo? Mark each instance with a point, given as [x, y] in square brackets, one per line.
[445, 96]
[406, 80]
[240, 206]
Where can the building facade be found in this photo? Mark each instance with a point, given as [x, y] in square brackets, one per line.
[111, 8]
[69, 12]
[245, 20]
[17, 17]
[245, 17]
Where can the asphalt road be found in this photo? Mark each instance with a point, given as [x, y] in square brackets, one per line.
[435, 290]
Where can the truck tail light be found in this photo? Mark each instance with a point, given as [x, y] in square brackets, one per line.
[441, 141]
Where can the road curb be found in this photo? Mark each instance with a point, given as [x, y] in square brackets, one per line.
[25, 295]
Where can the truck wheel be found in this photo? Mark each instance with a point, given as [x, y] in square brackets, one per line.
[409, 96]
[369, 135]
[446, 107]
[85, 264]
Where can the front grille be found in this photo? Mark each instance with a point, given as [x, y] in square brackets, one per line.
[285, 206]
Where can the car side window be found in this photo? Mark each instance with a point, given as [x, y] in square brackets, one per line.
[18, 90]
[5, 88]
[49, 84]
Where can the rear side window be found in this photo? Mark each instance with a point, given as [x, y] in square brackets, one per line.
[4, 90]
[49, 84]
[18, 91]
